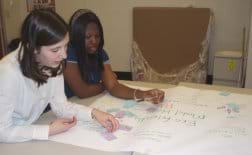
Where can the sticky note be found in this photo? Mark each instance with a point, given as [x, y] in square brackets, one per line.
[108, 135]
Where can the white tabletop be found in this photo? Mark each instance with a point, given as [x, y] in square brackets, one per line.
[49, 147]
[54, 148]
[212, 87]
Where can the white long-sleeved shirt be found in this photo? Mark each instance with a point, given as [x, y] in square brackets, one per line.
[22, 102]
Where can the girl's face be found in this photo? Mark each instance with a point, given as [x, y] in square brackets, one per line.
[53, 55]
[92, 38]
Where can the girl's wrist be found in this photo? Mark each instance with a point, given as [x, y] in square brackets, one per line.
[138, 95]
[101, 85]
[93, 114]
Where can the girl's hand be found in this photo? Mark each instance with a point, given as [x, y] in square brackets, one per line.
[155, 96]
[105, 119]
[61, 125]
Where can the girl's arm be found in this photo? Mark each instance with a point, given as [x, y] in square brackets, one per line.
[72, 111]
[80, 88]
[119, 90]
[10, 131]
[114, 87]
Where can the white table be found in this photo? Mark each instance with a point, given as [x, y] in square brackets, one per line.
[212, 87]
[54, 148]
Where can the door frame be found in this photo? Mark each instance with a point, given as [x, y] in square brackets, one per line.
[3, 42]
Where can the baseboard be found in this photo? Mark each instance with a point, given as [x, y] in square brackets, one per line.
[123, 75]
[209, 79]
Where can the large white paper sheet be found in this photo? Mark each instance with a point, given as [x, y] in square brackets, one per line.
[188, 122]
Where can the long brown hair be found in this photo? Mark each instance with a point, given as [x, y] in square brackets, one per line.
[40, 28]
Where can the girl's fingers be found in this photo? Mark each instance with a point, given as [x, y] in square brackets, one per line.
[70, 125]
[111, 124]
[70, 122]
[67, 120]
[115, 124]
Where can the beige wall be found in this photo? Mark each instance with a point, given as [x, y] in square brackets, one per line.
[116, 16]
[67, 7]
[15, 11]
[12, 20]
[248, 82]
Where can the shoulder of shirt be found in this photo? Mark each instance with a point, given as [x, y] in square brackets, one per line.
[9, 64]
[71, 55]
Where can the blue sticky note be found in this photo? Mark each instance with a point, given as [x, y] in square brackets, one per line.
[224, 93]
[129, 114]
[129, 104]
[234, 107]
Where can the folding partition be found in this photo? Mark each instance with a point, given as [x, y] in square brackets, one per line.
[170, 44]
